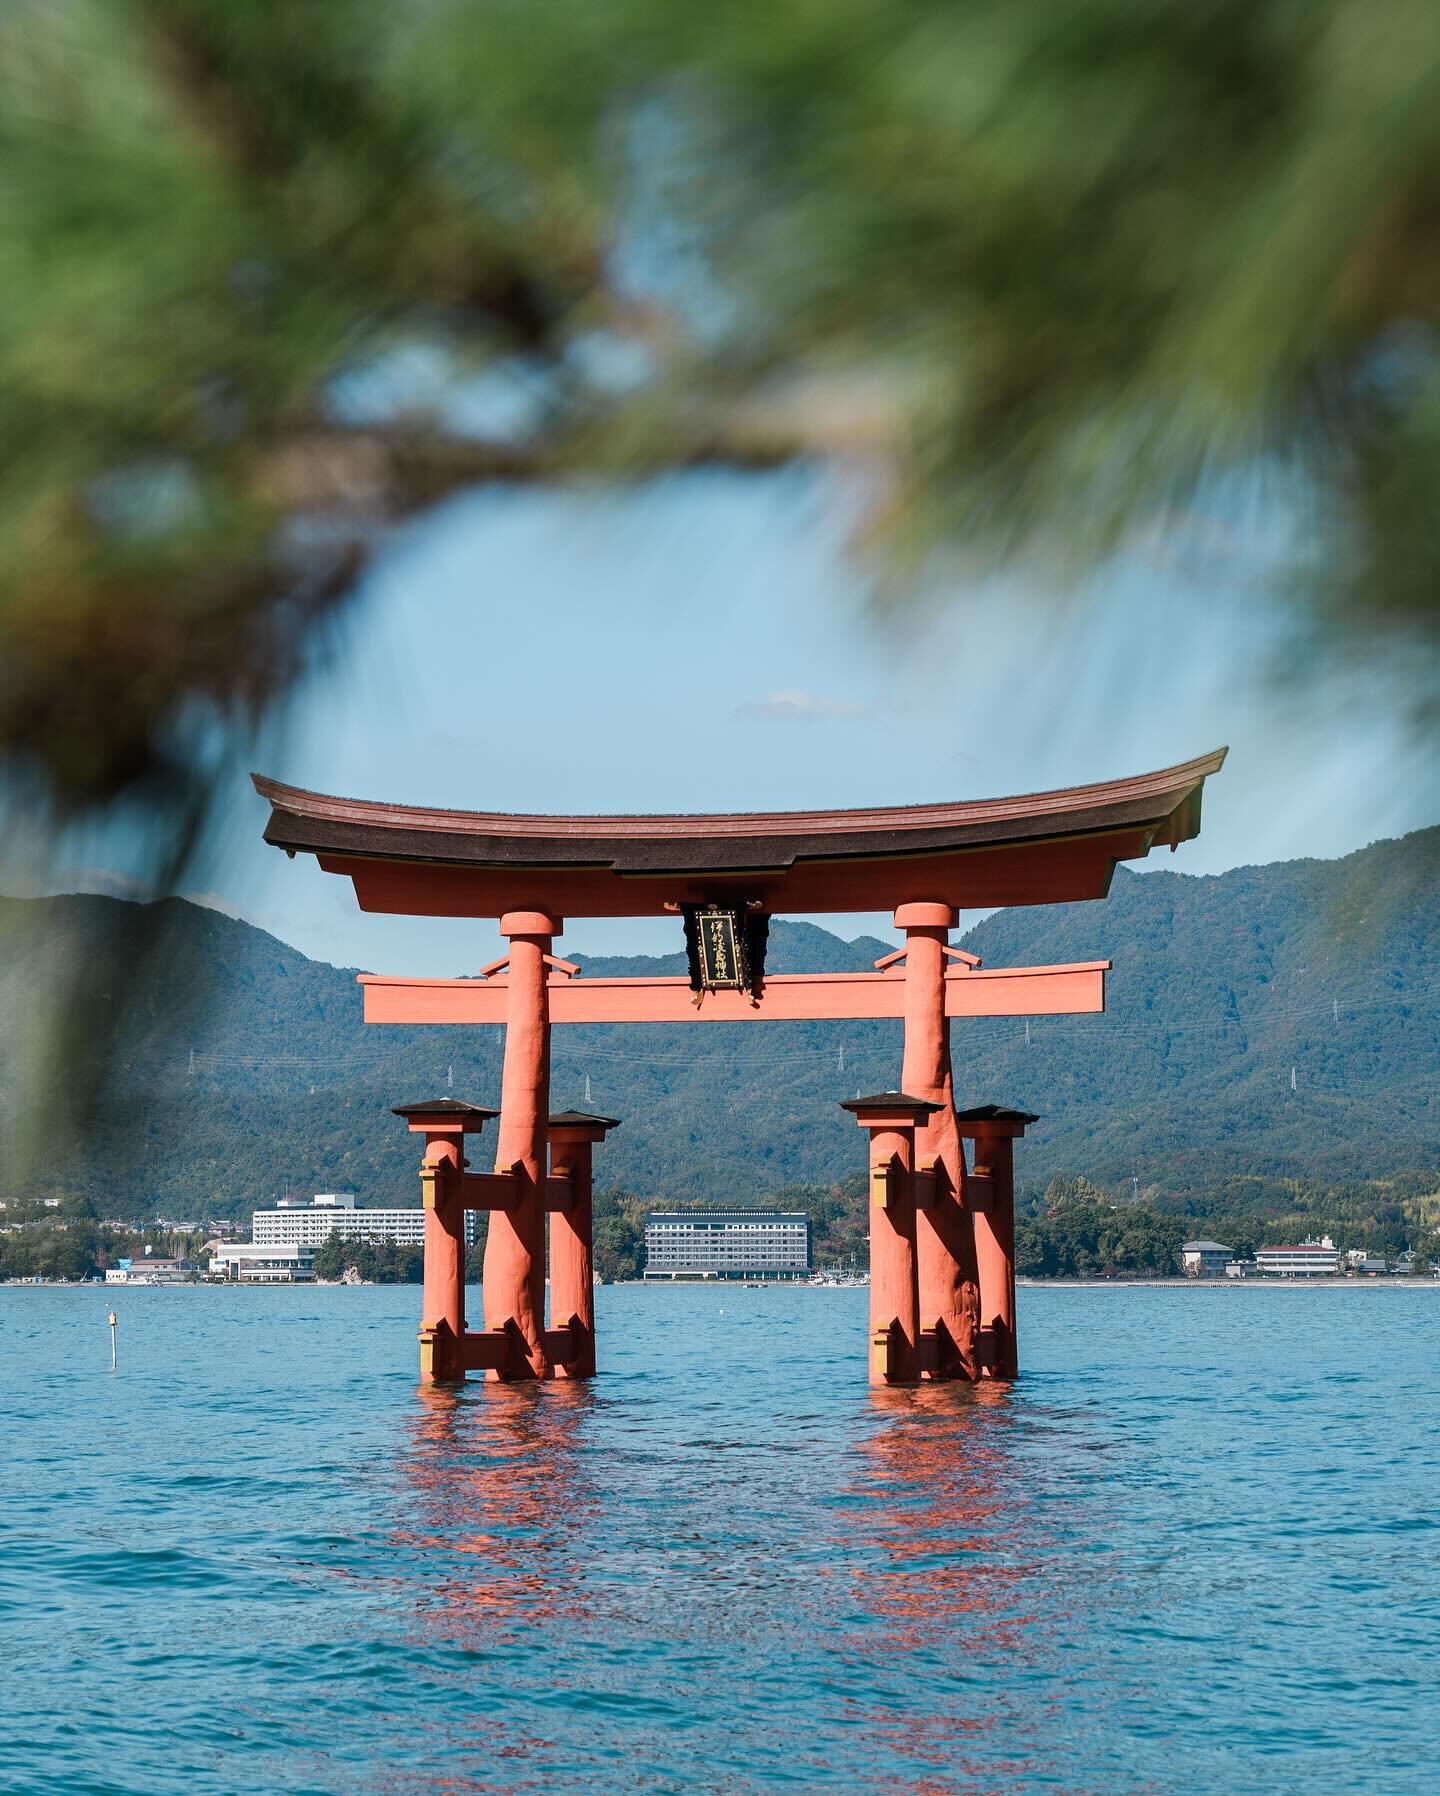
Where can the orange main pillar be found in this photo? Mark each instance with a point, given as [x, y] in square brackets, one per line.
[891, 1118]
[573, 1134]
[444, 1122]
[944, 1235]
[992, 1186]
[515, 1246]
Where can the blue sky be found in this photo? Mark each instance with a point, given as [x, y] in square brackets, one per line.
[707, 643]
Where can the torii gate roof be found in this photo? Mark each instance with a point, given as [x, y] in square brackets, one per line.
[1045, 847]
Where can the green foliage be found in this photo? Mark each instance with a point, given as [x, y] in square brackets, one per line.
[47, 1253]
[619, 1235]
[1078, 1234]
[36, 1242]
[1060, 268]
[381, 1262]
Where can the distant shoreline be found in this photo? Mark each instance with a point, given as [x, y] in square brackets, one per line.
[1327, 1282]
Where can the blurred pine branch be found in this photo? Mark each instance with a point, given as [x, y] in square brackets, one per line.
[1047, 273]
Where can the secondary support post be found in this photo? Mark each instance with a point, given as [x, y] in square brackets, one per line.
[944, 1235]
[994, 1131]
[515, 1245]
[573, 1134]
[891, 1118]
[444, 1122]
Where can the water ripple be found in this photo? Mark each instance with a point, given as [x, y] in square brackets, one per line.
[1175, 1558]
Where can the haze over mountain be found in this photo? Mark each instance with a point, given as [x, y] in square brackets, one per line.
[1281, 1021]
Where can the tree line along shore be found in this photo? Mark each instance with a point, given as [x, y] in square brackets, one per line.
[1067, 1229]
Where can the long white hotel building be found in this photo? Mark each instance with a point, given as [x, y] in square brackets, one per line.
[727, 1244]
[1311, 1259]
[295, 1222]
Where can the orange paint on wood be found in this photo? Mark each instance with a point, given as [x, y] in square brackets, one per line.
[923, 860]
[894, 1297]
[573, 1135]
[559, 1190]
[1028, 873]
[995, 1254]
[949, 1293]
[785, 997]
[443, 1299]
[1036, 848]
[890, 1119]
[490, 1351]
[514, 1280]
[572, 1270]
[490, 1190]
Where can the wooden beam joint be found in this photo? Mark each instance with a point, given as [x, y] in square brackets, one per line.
[490, 1190]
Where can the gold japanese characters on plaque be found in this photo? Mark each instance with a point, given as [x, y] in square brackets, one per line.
[725, 946]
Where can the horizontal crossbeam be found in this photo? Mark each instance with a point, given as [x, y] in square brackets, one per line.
[489, 1190]
[501, 1191]
[786, 997]
[487, 1351]
[495, 1349]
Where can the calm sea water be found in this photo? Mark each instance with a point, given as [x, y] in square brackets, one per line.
[1195, 1549]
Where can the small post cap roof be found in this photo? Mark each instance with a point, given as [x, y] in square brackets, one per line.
[996, 1113]
[890, 1100]
[468, 1116]
[582, 1119]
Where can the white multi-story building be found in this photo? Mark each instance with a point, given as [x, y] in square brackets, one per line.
[727, 1244]
[1311, 1259]
[299, 1223]
[253, 1263]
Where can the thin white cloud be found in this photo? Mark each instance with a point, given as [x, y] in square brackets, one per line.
[102, 882]
[804, 706]
[217, 901]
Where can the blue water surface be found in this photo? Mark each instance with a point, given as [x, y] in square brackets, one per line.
[1194, 1549]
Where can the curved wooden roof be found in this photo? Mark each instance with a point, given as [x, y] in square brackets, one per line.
[815, 860]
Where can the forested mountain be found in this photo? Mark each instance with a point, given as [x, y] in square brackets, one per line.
[1271, 1023]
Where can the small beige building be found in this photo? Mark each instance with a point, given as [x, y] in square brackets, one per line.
[1205, 1259]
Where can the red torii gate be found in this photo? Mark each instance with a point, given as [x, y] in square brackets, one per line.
[942, 1236]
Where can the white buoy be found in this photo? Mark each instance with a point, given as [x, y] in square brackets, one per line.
[112, 1340]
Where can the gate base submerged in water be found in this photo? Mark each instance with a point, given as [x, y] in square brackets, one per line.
[448, 1350]
[942, 1281]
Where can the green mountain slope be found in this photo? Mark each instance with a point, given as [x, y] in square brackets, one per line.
[238, 1066]
[1283, 1020]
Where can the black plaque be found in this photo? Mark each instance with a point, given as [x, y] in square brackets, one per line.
[720, 943]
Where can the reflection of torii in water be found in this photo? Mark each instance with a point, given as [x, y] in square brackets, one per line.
[950, 1247]
[947, 1550]
[951, 1493]
[502, 1503]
